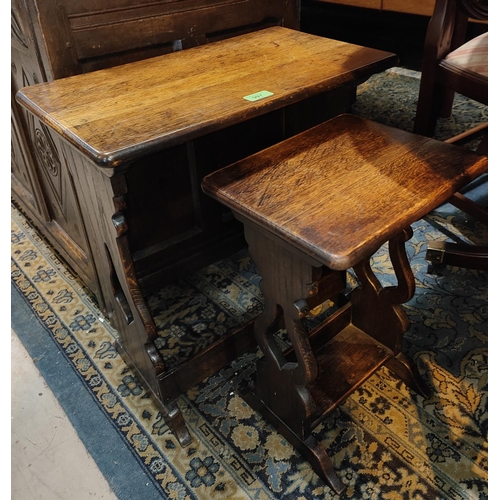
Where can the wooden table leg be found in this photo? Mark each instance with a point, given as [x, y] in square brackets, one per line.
[104, 208]
[310, 448]
[281, 393]
[297, 389]
[169, 410]
[377, 310]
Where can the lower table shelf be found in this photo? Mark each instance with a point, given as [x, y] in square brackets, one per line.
[344, 363]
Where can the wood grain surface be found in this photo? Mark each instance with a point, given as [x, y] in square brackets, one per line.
[117, 114]
[340, 190]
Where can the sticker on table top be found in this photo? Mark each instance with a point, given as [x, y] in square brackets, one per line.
[258, 95]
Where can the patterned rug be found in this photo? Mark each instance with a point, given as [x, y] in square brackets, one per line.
[386, 441]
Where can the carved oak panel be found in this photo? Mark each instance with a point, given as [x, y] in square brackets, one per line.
[41, 183]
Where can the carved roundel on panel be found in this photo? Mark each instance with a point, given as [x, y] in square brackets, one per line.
[47, 157]
[47, 151]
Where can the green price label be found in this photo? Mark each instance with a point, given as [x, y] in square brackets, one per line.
[258, 96]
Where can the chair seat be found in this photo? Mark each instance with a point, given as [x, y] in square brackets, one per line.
[472, 57]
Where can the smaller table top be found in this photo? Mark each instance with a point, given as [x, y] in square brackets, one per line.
[118, 114]
[340, 190]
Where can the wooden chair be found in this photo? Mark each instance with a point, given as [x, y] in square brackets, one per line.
[451, 64]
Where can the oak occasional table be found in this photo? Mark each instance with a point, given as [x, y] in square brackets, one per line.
[137, 140]
[314, 206]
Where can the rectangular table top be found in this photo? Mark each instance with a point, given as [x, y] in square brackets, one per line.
[340, 190]
[121, 113]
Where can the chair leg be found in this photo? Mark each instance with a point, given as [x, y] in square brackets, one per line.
[445, 109]
[428, 108]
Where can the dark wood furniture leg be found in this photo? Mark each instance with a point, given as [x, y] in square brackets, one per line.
[297, 389]
[378, 312]
[281, 393]
[104, 210]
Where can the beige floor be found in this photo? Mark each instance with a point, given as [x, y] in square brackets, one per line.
[48, 461]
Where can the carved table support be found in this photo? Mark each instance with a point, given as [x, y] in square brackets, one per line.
[281, 392]
[290, 387]
[378, 312]
[103, 199]
[169, 410]
[286, 278]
